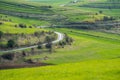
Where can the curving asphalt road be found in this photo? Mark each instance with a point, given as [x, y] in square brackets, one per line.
[60, 37]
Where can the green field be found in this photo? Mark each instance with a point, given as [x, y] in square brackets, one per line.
[51, 1]
[93, 55]
[73, 14]
[89, 57]
[112, 12]
[9, 27]
[25, 20]
[86, 70]
[87, 45]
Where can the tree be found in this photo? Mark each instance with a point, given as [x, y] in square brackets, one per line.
[22, 26]
[48, 39]
[49, 46]
[1, 34]
[36, 33]
[49, 6]
[24, 53]
[10, 43]
[100, 12]
[40, 47]
[1, 23]
[33, 50]
[68, 39]
[112, 18]
[62, 43]
[30, 26]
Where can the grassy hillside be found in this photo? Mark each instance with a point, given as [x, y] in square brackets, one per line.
[87, 45]
[49, 2]
[93, 55]
[57, 2]
[23, 20]
[54, 15]
[20, 7]
[101, 49]
[112, 12]
[109, 7]
[87, 70]
[110, 4]
[9, 27]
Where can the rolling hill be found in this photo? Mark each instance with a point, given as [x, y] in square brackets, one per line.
[95, 51]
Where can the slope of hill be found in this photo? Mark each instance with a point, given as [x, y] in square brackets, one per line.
[87, 70]
[93, 55]
[47, 13]
[109, 4]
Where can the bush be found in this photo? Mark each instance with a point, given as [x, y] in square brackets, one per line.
[36, 33]
[62, 43]
[106, 18]
[10, 43]
[1, 34]
[1, 23]
[49, 45]
[22, 25]
[48, 39]
[100, 12]
[8, 56]
[39, 47]
[30, 26]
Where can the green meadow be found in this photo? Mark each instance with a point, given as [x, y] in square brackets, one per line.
[93, 55]
[57, 2]
[112, 12]
[9, 27]
[87, 45]
[25, 20]
[86, 70]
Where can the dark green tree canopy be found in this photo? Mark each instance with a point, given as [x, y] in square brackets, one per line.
[10, 43]
[1, 34]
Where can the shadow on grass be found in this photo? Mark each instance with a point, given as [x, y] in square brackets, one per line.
[23, 65]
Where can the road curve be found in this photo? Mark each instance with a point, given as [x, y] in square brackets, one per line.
[59, 38]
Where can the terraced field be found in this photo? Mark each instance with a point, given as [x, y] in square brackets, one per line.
[112, 12]
[108, 7]
[93, 55]
[47, 14]
[9, 27]
[57, 2]
[24, 20]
